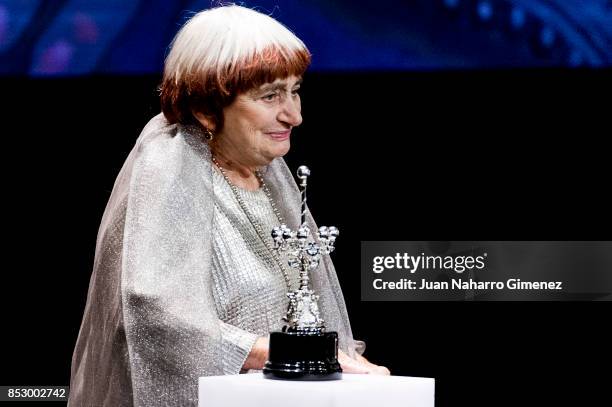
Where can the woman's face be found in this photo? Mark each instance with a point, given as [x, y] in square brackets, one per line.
[257, 125]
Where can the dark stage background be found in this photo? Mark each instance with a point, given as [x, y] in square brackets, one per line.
[423, 120]
[447, 155]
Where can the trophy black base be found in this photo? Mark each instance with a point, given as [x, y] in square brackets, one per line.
[303, 356]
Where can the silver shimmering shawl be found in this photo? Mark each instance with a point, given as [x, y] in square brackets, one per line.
[150, 328]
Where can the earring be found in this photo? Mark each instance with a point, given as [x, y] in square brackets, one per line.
[208, 135]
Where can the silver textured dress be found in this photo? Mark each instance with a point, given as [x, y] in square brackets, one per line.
[250, 291]
[180, 287]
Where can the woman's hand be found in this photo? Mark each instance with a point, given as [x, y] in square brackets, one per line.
[360, 365]
[259, 354]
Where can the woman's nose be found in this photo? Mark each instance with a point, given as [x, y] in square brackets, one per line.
[290, 112]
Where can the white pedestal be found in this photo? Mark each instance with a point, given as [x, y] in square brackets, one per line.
[352, 391]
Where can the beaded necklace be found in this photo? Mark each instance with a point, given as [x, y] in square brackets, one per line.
[258, 228]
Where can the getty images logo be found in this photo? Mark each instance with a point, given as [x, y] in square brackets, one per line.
[404, 261]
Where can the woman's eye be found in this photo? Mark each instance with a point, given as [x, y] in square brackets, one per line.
[295, 92]
[270, 97]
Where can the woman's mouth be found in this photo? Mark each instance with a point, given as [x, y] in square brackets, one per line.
[279, 135]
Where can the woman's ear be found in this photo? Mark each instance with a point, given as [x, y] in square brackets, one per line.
[206, 121]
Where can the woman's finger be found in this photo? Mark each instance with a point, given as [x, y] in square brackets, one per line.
[355, 367]
[350, 365]
[381, 370]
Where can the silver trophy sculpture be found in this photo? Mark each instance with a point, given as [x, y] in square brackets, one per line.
[303, 350]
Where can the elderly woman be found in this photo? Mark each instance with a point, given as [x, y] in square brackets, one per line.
[185, 282]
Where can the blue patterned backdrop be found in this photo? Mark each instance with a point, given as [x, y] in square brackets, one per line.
[77, 37]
